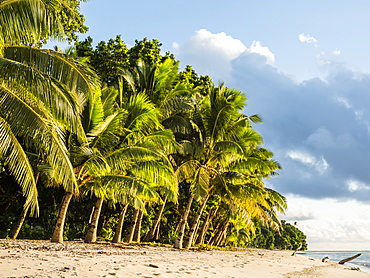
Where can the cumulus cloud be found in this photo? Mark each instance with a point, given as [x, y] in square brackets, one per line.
[256, 47]
[318, 129]
[307, 39]
[211, 54]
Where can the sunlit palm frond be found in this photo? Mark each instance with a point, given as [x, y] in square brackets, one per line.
[20, 116]
[158, 174]
[162, 140]
[108, 98]
[200, 183]
[42, 92]
[77, 77]
[142, 114]
[123, 158]
[277, 200]
[118, 184]
[107, 133]
[187, 170]
[28, 21]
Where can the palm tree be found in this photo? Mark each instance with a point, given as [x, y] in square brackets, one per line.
[225, 139]
[126, 154]
[40, 93]
[162, 86]
[161, 83]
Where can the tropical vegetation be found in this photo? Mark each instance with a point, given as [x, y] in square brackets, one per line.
[118, 143]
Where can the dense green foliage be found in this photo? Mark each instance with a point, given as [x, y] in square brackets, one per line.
[118, 143]
[288, 238]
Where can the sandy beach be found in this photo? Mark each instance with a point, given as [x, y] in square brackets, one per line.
[23, 258]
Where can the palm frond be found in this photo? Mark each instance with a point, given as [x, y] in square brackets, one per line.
[77, 77]
[12, 153]
[40, 91]
[28, 21]
[108, 131]
[20, 116]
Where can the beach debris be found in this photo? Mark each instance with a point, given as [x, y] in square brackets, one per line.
[153, 265]
[295, 251]
[325, 259]
[349, 259]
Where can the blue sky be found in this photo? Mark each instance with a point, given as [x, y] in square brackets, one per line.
[305, 67]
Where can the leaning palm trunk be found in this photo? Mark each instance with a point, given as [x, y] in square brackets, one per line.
[184, 219]
[18, 225]
[207, 222]
[213, 238]
[130, 235]
[151, 234]
[195, 225]
[138, 227]
[216, 240]
[59, 226]
[92, 231]
[222, 236]
[118, 232]
[157, 233]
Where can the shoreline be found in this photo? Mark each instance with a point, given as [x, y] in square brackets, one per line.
[30, 258]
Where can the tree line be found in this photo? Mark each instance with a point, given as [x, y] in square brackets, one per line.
[119, 143]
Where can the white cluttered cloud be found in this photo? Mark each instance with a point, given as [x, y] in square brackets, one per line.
[314, 164]
[329, 222]
[307, 39]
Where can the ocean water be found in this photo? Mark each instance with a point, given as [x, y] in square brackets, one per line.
[363, 261]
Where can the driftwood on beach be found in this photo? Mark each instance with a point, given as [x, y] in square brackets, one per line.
[349, 259]
[295, 251]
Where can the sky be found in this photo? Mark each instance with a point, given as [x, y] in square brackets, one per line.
[305, 68]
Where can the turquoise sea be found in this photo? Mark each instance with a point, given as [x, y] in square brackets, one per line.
[363, 261]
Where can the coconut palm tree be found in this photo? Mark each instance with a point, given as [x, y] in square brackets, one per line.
[225, 138]
[40, 92]
[162, 86]
[126, 154]
[161, 83]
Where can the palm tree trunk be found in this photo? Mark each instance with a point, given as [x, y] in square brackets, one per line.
[157, 232]
[195, 225]
[18, 225]
[207, 222]
[184, 219]
[151, 234]
[216, 231]
[118, 232]
[138, 227]
[59, 226]
[218, 237]
[130, 235]
[92, 231]
[222, 235]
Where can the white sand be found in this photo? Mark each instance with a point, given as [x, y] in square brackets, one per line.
[19, 258]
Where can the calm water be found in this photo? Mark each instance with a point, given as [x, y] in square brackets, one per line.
[363, 261]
